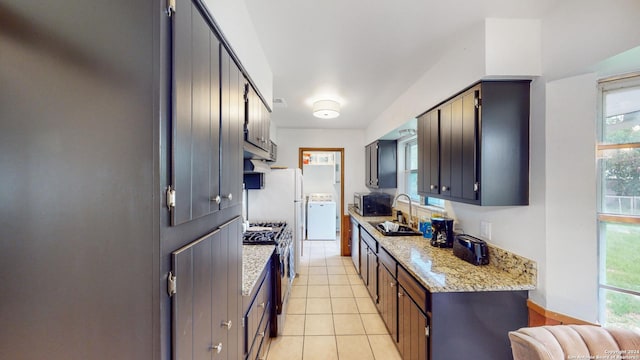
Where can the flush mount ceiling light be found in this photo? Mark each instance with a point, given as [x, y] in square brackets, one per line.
[326, 109]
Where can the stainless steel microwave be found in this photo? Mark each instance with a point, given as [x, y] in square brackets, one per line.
[373, 204]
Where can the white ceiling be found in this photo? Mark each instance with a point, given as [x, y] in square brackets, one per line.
[363, 54]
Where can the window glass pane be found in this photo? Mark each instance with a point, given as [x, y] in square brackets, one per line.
[435, 202]
[411, 185]
[413, 160]
[411, 155]
[621, 256]
[621, 310]
[621, 116]
[620, 181]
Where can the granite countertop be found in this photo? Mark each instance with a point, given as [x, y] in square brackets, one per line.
[254, 260]
[441, 271]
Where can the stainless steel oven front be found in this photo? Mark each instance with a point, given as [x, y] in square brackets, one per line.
[286, 275]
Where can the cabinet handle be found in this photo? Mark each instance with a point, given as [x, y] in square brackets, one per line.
[433, 187]
[217, 348]
[400, 294]
[216, 199]
[226, 324]
[445, 188]
[261, 334]
[391, 284]
[427, 330]
[229, 197]
[476, 186]
[261, 305]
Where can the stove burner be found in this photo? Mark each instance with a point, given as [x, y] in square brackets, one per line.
[259, 237]
[265, 237]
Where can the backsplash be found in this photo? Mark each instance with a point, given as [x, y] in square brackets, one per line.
[498, 257]
[419, 212]
[512, 263]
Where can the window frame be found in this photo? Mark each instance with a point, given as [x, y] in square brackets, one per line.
[407, 171]
[604, 217]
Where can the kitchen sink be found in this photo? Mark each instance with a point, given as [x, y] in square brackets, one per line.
[402, 230]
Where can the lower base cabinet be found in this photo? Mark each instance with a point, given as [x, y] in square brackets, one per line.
[258, 317]
[413, 328]
[443, 325]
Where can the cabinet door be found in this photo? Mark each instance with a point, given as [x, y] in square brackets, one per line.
[363, 262]
[181, 147]
[367, 166]
[429, 153]
[232, 119]
[445, 150]
[220, 280]
[413, 329]
[253, 121]
[469, 141]
[423, 155]
[355, 245]
[455, 166]
[230, 256]
[372, 274]
[195, 142]
[434, 152]
[193, 303]
[388, 300]
[374, 164]
[214, 141]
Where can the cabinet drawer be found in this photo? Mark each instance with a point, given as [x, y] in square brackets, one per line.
[256, 312]
[263, 339]
[387, 260]
[373, 244]
[260, 342]
[417, 292]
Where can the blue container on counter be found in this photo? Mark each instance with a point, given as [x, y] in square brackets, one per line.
[425, 228]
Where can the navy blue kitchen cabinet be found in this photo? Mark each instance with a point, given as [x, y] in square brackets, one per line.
[381, 164]
[474, 147]
[116, 108]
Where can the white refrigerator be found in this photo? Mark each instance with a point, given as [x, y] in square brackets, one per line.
[280, 199]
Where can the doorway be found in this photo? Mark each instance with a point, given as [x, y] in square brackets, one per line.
[323, 173]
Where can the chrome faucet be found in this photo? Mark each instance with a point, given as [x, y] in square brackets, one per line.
[410, 222]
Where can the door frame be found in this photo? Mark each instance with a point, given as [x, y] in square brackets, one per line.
[344, 244]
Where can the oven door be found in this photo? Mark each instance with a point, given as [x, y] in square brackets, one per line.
[285, 278]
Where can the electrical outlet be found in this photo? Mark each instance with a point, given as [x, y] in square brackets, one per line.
[485, 229]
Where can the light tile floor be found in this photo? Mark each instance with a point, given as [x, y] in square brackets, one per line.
[330, 313]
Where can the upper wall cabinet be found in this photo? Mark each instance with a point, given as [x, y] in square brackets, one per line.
[474, 148]
[208, 112]
[381, 164]
[232, 107]
[257, 122]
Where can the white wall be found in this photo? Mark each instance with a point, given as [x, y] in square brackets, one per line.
[557, 229]
[572, 252]
[462, 64]
[290, 140]
[237, 27]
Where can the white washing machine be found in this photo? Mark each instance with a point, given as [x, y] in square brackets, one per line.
[321, 217]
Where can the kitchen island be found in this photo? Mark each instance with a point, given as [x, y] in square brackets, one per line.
[438, 306]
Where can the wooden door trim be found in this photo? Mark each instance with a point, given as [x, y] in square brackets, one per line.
[344, 246]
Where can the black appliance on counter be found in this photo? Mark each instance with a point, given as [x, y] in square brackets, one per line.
[372, 204]
[442, 232]
[471, 249]
[276, 233]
